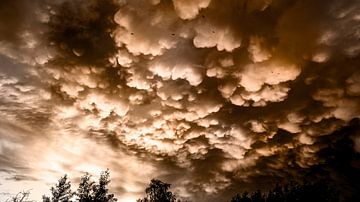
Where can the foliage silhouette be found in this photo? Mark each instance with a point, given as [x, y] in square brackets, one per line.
[257, 197]
[158, 191]
[100, 190]
[88, 190]
[292, 192]
[19, 197]
[61, 192]
[84, 192]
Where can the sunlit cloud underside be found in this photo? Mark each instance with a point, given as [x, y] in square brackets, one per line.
[211, 96]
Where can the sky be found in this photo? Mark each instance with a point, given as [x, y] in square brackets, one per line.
[211, 96]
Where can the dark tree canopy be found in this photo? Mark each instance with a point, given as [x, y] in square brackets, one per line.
[19, 197]
[293, 192]
[88, 190]
[101, 190]
[158, 191]
[84, 192]
[61, 192]
[257, 197]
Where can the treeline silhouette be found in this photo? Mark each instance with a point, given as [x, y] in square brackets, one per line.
[292, 192]
[91, 191]
[88, 190]
[158, 191]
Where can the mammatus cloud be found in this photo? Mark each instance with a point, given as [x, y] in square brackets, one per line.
[211, 96]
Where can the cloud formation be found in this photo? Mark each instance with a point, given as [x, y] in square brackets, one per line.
[208, 95]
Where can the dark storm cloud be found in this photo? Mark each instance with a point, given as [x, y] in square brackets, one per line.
[14, 19]
[80, 31]
[21, 178]
[339, 161]
[208, 95]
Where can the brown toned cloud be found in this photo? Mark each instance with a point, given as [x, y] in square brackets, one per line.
[208, 95]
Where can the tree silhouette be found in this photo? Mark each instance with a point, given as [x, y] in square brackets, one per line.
[84, 192]
[241, 198]
[19, 197]
[257, 197]
[236, 198]
[158, 191]
[61, 192]
[88, 190]
[100, 190]
[293, 192]
[276, 195]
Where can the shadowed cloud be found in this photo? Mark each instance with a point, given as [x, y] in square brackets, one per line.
[211, 96]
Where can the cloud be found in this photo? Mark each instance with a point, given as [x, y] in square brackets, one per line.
[207, 36]
[254, 76]
[207, 95]
[189, 9]
[146, 33]
[81, 32]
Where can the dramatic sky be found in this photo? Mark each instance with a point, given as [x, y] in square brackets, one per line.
[212, 96]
